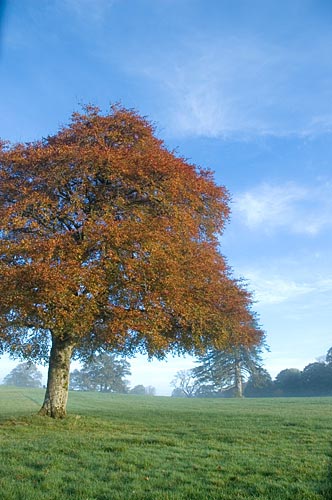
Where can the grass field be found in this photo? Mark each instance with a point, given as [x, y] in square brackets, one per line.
[127, 447]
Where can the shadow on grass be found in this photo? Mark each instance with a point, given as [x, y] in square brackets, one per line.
[34, 400]
[326, 489]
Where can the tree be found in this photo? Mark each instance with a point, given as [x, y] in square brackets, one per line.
[185, 382]
[259, 384]
[24, 375]
[80, 381]
[222, 370]
[103, 372]
[178, 393]
[328, 358]
[289, 382]
[108, 241]
[317, 379]
[150, 390]
[140, 390]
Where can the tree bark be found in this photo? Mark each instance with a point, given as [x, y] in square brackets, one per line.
[56, 396]
[238, 380]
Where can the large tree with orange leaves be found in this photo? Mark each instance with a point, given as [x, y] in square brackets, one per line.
[110, 241]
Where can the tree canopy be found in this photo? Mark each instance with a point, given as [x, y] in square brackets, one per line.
[141, 390]
[259, 384]
[221, 370]
[138, 390]
[288, 382]
[328, 358]
[110, 241]
[103, 372]
[185, 383]
[24, 375]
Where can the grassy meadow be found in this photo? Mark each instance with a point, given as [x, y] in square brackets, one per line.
[135, 447]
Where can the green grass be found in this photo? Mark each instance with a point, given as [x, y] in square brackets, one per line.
[151, 448]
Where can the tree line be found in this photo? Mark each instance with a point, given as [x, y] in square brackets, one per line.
[103, 372]
[236, 372]
[239, 372]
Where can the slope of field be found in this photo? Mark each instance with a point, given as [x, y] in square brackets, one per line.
[150, 448]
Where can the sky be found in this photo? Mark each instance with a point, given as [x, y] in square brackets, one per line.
[243, 87]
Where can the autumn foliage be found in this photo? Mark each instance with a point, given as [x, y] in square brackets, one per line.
[110, 241]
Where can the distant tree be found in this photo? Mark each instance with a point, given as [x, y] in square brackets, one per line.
[317, 379]
[186, 382]
[141, 390]
[110, 241]
[80, 381]
[227, 369]
[150, 390]
[104, 372]
[138, 390]
[24, 375]
[178, 393]
[259, 384]
[328, 358]
[209, 391]
[289, 382]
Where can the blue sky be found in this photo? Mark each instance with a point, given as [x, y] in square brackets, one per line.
[242, 87]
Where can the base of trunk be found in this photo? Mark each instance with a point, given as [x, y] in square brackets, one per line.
[56, 396]
[51, 411]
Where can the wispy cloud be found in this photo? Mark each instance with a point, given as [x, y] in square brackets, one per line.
[223, 82]
[276, 289]
[221, 87]
[272, 288]
[242, 86]
[292, 207]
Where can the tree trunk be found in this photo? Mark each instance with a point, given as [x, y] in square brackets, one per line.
[56, 396]
[238, 380]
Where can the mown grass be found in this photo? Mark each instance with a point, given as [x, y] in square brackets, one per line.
[127, 447]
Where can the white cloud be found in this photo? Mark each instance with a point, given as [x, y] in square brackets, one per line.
[296, 208]
[240, 85]
[272, 288]
[208, 86]
[221, 88]
[276, 289]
